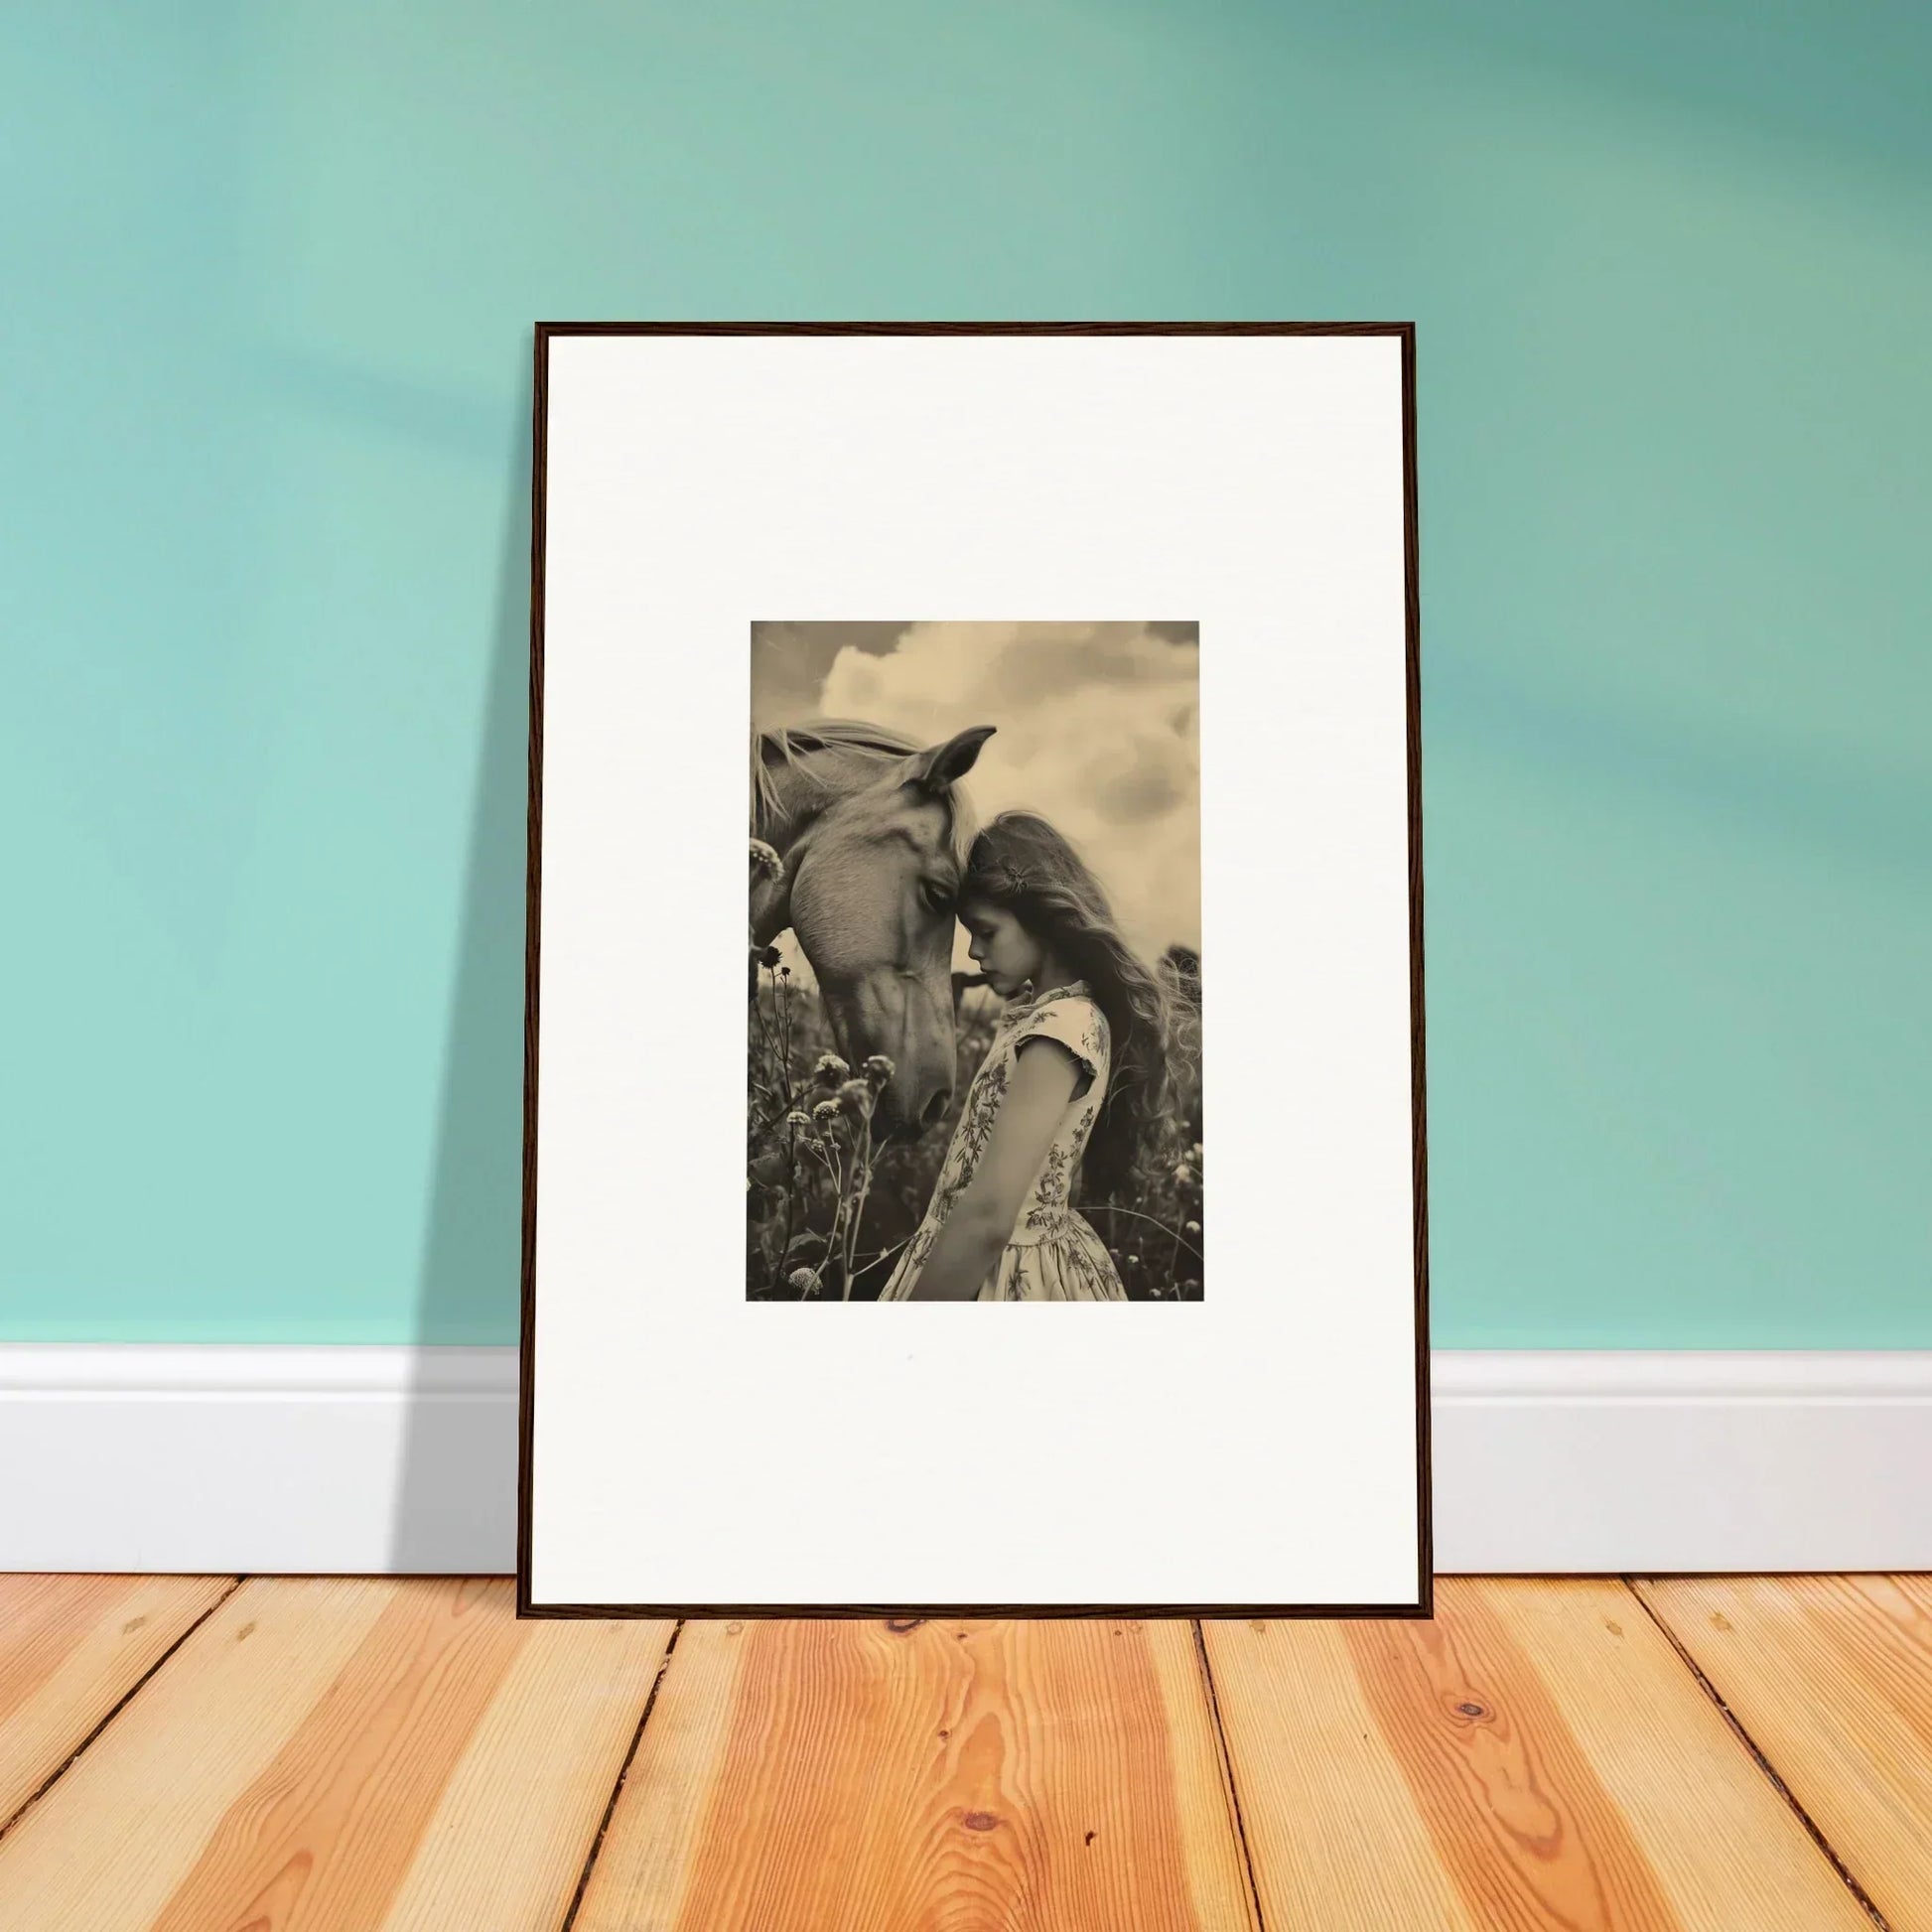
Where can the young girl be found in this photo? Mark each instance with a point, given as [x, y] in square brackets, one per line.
[1077, 1069]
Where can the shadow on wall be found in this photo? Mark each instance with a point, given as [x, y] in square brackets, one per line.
[455, 1443]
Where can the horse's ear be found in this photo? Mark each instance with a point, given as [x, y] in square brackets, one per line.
[939, 766]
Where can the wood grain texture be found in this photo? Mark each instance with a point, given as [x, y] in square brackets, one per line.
[508, 1839]
[926, 1775]
[1832, 1678]
[1536, 1758]
[335, 1753]
[70, 1649]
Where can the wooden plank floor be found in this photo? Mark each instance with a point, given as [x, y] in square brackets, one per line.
[1831, 1678]
[211, 1754]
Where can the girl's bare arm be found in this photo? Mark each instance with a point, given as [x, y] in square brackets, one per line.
[982, 1219]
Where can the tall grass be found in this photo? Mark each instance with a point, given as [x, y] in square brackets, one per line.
[828, 1206]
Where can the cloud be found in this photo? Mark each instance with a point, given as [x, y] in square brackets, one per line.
[1099, 729]
[789, 662]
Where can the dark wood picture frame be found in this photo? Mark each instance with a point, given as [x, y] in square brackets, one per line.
[1423, 1606]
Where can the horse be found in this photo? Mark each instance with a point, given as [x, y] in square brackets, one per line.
[872, 831]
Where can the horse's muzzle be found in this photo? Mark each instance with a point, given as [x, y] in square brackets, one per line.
[901, 1132]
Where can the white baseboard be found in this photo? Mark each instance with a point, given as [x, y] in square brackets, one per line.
[318, 1461]
[332, 1461]
[1656, 1461]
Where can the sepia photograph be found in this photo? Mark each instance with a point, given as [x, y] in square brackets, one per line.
[973, 1049]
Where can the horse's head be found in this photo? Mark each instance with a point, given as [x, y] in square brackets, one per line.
[873, 881]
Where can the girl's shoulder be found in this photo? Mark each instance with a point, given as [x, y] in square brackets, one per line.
[1071, 1017]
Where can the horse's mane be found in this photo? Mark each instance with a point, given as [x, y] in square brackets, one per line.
[853, 739]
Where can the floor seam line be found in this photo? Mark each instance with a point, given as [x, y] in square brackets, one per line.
[1762, 1761]
[133, 1690]
[1225, 1752]
[617, 1789]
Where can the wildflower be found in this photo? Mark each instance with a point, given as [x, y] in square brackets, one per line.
[802, 1278]
[1133, 1261]
[767, 955]
[1189, 1283]
[879, 1068]
[798, 1118]
[767, 860]
[1196, 1150]
[1192, 1227]
[830, 1070]
[826, 1112]
[1184, 1173]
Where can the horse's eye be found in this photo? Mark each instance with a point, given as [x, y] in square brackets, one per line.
[938, 899]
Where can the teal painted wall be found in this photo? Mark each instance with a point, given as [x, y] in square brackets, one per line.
[270, 280]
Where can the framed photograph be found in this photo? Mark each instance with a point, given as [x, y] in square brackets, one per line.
[975, 857]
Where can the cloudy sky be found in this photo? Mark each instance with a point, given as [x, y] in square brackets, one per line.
[1099, 729]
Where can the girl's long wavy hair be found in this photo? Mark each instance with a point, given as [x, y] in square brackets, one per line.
[1020, 862]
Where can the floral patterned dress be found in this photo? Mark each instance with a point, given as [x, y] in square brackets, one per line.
[1052, 1255]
